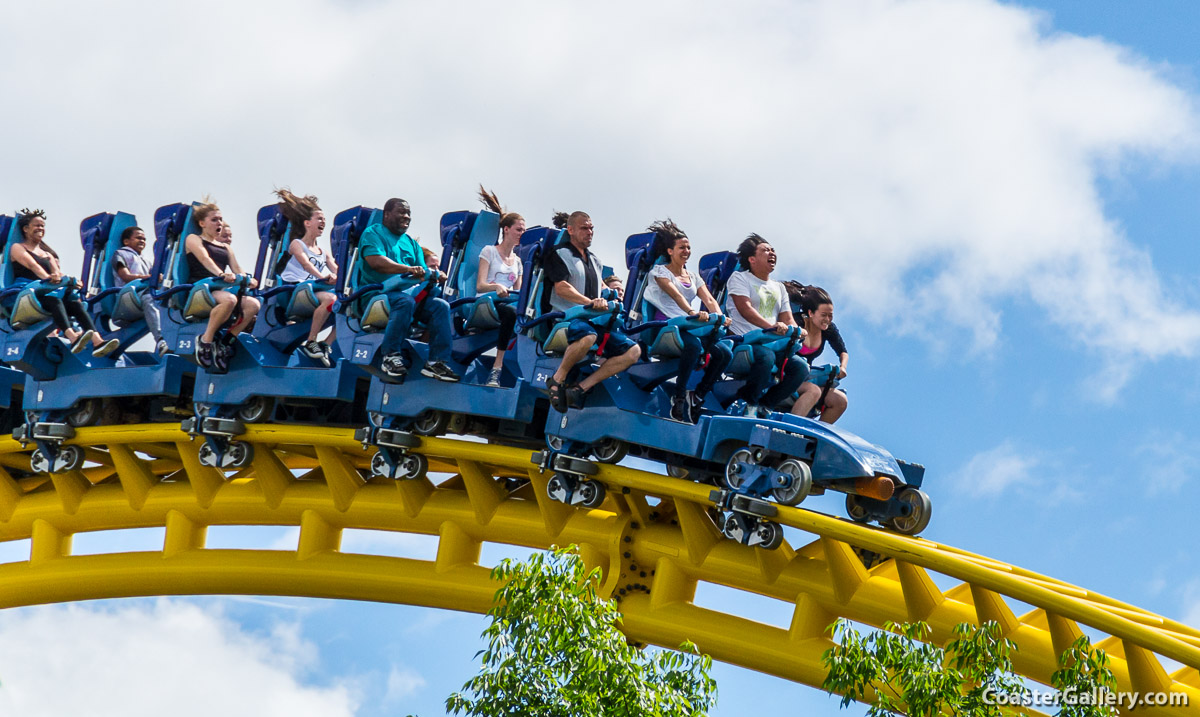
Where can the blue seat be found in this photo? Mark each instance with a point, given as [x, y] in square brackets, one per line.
[666, 342]
[19, 299]
[100, 235]
[715, 270]
[191, 300]
[464, 236]
[298, 300]
[367, 311]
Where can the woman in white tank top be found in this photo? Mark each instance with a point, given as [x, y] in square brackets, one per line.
[500, 271]
[309, 262]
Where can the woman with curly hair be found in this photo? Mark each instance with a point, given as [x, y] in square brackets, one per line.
[209, 258]
[34, 260]
[500, 271]
[309, 262]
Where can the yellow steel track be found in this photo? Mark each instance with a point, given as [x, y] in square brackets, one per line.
[653, 537]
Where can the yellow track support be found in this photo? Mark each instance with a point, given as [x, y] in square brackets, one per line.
[653, 537]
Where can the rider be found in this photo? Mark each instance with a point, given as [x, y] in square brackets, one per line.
[573, 278]
[674, 291]
[309, 262]
[34, 260]
[500, 271]
[816, 310]
[208, 257]
[388, 251]
[756, 301]
[131, 266]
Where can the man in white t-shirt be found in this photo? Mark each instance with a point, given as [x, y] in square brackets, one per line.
[756, 301]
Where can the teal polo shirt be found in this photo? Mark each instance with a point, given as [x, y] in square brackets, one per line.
[378, 240]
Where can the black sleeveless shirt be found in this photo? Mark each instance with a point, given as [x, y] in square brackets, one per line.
[217, 252]
[20, 271]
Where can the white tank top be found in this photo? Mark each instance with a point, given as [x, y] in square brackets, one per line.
[295, 272]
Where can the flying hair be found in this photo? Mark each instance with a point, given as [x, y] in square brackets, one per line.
[296, 209]
[666, 234]
[492, 203]
[207, 206]
[560, 220]
[809, 298]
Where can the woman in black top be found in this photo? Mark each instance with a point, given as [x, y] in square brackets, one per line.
[207, 257]
[816, 311]
[34, 260]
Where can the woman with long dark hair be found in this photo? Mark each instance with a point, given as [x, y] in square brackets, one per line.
[500, 271]
[816, 313]
[309, 262]
[34, 260]
[674, 291]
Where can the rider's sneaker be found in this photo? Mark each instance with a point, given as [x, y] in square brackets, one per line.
[393, 365]
[161, 348]
[223, 353]
[106, 348]
[440, 371]
[204, 352]
[681, 409]
[316, 351]
[494, 377]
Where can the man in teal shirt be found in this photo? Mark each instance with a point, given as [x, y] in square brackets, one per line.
[386, 251]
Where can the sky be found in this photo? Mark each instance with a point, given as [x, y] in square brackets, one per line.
[999, 197]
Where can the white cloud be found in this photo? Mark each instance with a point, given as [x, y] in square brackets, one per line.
[1168, 462]
[1003, 468]
[925, 159]
[402, 682]
[135, 660]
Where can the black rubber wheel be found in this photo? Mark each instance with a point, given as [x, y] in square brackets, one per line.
[591, 494]
[240, 454]
[734, 479]
[379, 466]
[431, 423]
[412, 466]
[919, 511]
[38, 463]
[801, 482]
[208, 457]
[855, 509]
[257, 409]
[770, 534]
[557, 488]
[610, 450]
[85, 413]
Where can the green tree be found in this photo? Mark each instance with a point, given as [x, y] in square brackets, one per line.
[972, 675]
[554, 649]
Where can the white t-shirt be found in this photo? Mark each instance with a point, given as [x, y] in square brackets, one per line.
[661, 300]
[768, 297]
[294, 272]
[505, 275]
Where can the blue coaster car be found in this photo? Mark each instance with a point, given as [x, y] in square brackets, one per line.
[266, 376]
[417, 404]
[782, 457]
[65, 390]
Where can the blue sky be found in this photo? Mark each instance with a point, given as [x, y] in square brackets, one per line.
[1000, 197]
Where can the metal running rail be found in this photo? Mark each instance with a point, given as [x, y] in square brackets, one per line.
[653, 538]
